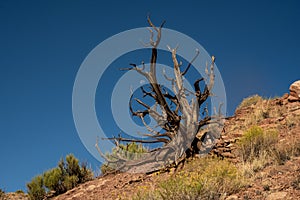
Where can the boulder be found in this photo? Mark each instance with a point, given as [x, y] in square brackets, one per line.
[294, 91]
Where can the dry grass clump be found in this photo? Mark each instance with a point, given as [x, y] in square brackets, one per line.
[260, 109]
[292, 121]
[259, 148]
[284, 152]
[205, 178]
[252, 100]
[256, 148]
[257, 114]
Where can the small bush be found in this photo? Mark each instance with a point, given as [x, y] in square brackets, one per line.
[255, 142]
[130, 151]
[36, 189]
[72, 165]
[86, 173]
[70, 182]
[53, 180]
[60, 179]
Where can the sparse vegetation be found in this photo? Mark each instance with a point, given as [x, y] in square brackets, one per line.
[259, 148]
[60, 179]
[262, 142]
[261, 109]
[292, 120]
[252, 100]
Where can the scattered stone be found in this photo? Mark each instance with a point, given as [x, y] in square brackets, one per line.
[91, 187]
[232, 197]
[14, 196]
[277, 196]
[294, 91]
[230, 145]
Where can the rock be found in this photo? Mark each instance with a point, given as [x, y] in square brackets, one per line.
[91, 187]
[285, 96]
[232, 197]
[294, 91]
[277, 196]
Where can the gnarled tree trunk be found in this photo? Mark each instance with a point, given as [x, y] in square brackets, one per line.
[183, 130]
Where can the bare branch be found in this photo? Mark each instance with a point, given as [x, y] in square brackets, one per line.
[140, 141]
[134, 67]
[142, 103]
[190, 63]
[211, 75]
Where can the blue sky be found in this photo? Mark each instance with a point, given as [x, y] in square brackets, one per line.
[43, 43]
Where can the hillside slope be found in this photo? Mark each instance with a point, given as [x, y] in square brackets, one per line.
[271, 181]
[265, 179]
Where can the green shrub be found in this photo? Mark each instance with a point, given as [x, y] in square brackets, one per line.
[130, 151]
[72, 165]
[53, 180]
[65, 176]
[255, 142]
[70, 182]
[85, 173]
[36, 189]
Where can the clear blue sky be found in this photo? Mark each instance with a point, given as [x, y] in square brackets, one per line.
[43, 43]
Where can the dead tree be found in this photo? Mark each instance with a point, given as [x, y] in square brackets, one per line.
[183, 129]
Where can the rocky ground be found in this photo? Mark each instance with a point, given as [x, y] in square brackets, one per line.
[274, 181]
